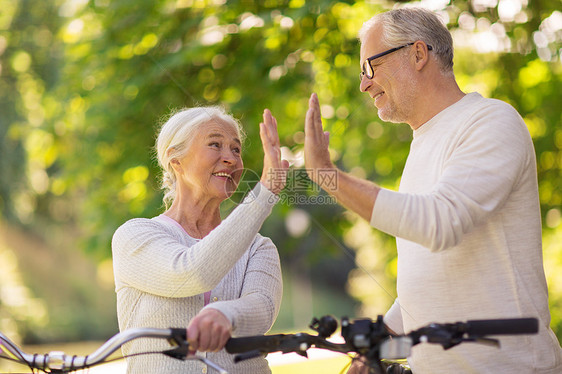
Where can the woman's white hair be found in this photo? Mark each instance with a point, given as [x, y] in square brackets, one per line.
[176, 135]
[405, 25]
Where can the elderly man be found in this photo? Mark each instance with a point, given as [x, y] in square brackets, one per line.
[466, 216]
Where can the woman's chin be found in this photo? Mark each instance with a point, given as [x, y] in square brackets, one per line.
[229, 193]
[229, 189]
[224, 191]
[224, 195]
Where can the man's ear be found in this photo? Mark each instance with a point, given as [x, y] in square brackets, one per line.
[421, 54]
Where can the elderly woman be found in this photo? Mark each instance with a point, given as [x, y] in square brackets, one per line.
[188, 267]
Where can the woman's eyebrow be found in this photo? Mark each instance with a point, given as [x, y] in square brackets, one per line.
[217, 135]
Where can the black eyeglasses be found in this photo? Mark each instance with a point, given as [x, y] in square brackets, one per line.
[368, 68]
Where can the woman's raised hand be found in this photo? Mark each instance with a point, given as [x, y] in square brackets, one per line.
[274, 175]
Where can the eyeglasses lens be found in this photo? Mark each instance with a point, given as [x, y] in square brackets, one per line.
[367, 70]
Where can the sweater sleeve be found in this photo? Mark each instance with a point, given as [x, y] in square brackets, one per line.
[256, 309]
[483, 168]
[148, 258]
[393, 318]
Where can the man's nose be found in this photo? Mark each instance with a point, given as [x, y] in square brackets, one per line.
[364, 84]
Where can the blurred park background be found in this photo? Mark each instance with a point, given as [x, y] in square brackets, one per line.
[84, 85]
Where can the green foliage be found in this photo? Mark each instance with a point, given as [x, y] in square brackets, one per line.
[84, 86]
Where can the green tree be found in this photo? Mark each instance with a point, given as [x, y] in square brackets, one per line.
[84, 85]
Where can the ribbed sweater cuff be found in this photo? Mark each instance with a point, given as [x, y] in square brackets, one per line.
[387, 211]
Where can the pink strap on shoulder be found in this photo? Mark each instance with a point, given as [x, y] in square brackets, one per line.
[207, 297]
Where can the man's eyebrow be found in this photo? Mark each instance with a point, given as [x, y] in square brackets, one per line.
[217, 135]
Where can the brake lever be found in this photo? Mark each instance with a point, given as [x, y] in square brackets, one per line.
[298, 343]
[456, 341]
[485, 341]
[247, 355]
[179, 339]
[181, 351]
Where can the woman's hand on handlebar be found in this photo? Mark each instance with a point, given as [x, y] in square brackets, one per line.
[208, 331]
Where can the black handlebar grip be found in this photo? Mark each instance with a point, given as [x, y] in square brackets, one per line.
[246, 356]
[503, 326]
[250, 343]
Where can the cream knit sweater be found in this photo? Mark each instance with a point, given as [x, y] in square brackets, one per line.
[468, 227]
[161, 274]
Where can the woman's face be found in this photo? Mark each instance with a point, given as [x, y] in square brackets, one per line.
[212, 165]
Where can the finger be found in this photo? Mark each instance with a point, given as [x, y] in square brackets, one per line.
[275, 130]
[222, 336]
[266, 140]
[192, 335]
[317, 115]
[274, 121]
[309, 129]
[263, 136]
[268, 125]
[268, 148]
[205, 337]
[271, 145]
[223, 339]
[213, 341]
[271, 123]
[315, 101]
[313, 124]
[265, 117]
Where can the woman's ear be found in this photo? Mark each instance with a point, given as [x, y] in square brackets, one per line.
[176, 165]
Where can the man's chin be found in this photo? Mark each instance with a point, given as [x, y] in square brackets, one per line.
[384, 115]
[387, 116]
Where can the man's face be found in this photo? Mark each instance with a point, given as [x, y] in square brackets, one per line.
[392, 86]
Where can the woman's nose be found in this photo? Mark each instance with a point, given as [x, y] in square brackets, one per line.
[228, 157]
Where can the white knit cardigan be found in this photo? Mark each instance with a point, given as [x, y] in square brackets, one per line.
[161, 274]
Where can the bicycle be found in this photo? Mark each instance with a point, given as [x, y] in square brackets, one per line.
[365, 337]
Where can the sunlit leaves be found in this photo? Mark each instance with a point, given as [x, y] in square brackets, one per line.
[21, 61]
[370, 282]
[134, 191]
[9, 7]
[536, 125]
[85, 84]
[535, 72]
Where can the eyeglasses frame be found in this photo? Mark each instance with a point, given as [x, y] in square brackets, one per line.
[378, 55]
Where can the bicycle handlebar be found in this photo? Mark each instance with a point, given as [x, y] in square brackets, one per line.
[449, 335]
[59, 362]
[363, 336]
[285, 343]
[373, 341]
[503, 326]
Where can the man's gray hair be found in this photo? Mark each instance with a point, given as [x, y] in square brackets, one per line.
[406, 25]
